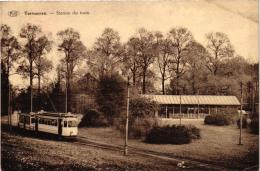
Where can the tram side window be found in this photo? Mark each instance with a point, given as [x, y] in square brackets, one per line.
[54, 122]
[32, 120]
[21, 119]
[40, 121]
[65, 124]
[27, 119]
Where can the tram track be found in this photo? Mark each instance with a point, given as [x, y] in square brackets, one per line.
[150, 153]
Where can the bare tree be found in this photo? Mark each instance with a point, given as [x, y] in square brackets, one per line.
[164, 54]
[10, 52]
[42, 64]
[130, 60]
[196, 59]
[219, 48]
[109, 52]
[74, 50]
[30, 32]
[180, 38]
[146, 47]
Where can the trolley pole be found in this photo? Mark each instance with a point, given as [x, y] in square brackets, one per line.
[9, 107]
[241, 107]
[198, 105]
[180, 109]
[127, 114]
[66, 95]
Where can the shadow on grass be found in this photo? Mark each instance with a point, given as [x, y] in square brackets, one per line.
[33, 134]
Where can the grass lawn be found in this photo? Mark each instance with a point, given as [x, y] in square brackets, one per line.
[218, 144]
[24, 153]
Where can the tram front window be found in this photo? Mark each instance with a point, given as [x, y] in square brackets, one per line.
[72, 124]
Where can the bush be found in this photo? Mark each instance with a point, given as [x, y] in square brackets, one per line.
[139, 127]
[254, 126]
[217, 119]
[93, 118]
[230, 113]
[141, 117]
[142, 107]
[244, 123]
[175, 134]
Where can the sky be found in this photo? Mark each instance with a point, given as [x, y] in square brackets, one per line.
[237, 18]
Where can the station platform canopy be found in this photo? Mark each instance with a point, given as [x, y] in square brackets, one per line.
[194, 100]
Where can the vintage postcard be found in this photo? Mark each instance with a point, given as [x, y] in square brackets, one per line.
[130, 85]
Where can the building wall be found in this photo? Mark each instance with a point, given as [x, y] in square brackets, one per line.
[188, 111]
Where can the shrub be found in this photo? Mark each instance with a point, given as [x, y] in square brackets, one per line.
[93, 118]
[244, 123]
[141, 117]
[231, 113]
[142, 107]
[139, 127]
[217, 119]
[254, 126]
[175, 134]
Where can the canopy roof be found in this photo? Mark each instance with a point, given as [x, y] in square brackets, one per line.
[195, 99]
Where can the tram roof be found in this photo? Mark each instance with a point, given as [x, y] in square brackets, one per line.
[195, 99]
[56, 114]
[51, 114]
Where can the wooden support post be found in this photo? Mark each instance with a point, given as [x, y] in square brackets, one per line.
[166, 111]
[9, 107]
[180, 109]
[241, 107]
[198, 108]
[127, 113]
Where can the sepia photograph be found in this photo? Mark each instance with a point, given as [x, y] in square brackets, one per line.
[130, 85]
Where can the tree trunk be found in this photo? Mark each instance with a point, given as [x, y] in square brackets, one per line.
[177, 85]
[144, 84]
[69, 96]
[134, 78]
[163, 80]
[178, 74]
[39, 92]
[31, 89]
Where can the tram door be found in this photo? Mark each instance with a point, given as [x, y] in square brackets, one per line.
[59, 126]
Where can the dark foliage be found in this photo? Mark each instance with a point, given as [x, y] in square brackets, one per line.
[111, 96]
[141, 117]
[175, 134]
[4, 90]
[142, 107]
[254, 126]
[57, 98]
[244, 123]
[22, 102]
[93, 118]
[217, 119]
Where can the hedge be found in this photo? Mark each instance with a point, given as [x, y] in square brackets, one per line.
[175, 134]
[217, 119]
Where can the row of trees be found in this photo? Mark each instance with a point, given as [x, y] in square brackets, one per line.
[183, 65]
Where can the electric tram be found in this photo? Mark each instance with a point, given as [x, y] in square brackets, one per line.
[62, 124]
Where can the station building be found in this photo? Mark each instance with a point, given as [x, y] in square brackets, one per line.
[191, 106]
